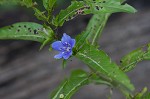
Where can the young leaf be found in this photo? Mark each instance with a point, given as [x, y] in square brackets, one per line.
[98, 61]
[129, 61]
[23, 31]
[46, 4]
[49, 5]
[27, 3]
[40, 15]
[77, 79]
[144, 94]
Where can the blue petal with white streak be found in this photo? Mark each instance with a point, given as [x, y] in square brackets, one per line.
[64, 47]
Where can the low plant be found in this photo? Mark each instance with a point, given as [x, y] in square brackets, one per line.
[84, 46]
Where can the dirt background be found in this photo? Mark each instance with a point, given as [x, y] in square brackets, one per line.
[26, 73]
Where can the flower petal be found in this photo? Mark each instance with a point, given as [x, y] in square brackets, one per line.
[58, 56]
[65, 38]
[57, 45]
[72, 42]
[66, 56]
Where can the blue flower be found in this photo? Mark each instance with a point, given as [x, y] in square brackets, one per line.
[64, 47]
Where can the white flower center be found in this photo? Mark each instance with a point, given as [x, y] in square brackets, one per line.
[68, 49]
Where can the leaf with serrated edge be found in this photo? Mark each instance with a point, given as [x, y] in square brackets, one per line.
[100, 62]
[129, 61]
[77, 79]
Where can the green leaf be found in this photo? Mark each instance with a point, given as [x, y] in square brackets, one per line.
[49, 34]
[77, 79]
[144, 94]
[27, 3]
[90, 7]
[46, 4]
[98, 80]
[49, 5]
[23, 31]
[112, 7]
[93, 30]
[108, 6]
[68, 14]
[99, 61]
[140, 95]
[40, 15]
[129, 61]
[9, 1]
[80, 40]
[96, 26]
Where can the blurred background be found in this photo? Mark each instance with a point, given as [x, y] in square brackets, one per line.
[27, 73]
